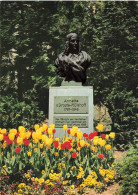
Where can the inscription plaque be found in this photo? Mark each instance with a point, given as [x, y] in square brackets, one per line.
[80, 121]
[71, 105]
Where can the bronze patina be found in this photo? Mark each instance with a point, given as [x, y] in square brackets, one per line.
[73, 63]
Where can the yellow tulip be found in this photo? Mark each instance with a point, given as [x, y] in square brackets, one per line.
[102, 142]
[71, 149]
[57, 139]
[95, 141]
[45, 126]
[44, 138]
[21, 129]
[35, 149]
[41, 129]
[22, 135]
[31, 146]
[56, 153]
[14, 131]
[82, 143]
[107, 137]
[108, 147]
[94, 149]
[79, 135]
[99, 127]
[1, 137]
[52, 126]
[27, 134]
[87, 144]
[34, 135]
[49, 142]
[50, 131]
[29, 153]
[41, 145]
[19, 140]
[4, 144]
[35, 141]
[36, 127]
[39, 136]
[78, 149]
[11, 136]
[112, 135]
[38, 130]
[4, 131]
[65, 127]
[72, 132]
[75, 128]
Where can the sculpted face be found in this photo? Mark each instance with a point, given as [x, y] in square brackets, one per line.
[74, 44]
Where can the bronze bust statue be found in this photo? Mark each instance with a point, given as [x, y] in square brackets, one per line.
[72, 63]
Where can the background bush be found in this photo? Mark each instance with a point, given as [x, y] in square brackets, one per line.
[14, 113]
[128, 173]
[33, 34]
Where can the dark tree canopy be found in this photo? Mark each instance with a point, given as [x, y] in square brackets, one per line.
[33, 34]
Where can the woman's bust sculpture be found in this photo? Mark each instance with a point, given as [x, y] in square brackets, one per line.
[72, 63]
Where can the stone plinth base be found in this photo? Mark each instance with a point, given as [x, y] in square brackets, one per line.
[71, 105]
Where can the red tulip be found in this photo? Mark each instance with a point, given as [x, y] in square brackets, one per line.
[101, 156]
[9, 141]
[26, 141]
[63, 146]
[103, 136]
[56, 144]
[68, 131]
[67, 145]
[17, 150]
[74, 155]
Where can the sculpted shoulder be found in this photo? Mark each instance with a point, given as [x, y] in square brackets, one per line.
[59, 59]
[61, 56]
[86, 56]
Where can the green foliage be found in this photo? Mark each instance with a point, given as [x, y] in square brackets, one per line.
[14, 113]
[33, 34]
[128, 172]
[123, 109]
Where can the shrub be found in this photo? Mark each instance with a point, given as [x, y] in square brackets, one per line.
[122, 107]
[14, 113]
[128, 172]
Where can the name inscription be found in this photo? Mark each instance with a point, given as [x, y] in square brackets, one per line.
[71, 105]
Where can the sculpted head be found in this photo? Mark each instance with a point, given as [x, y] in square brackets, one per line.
[72, 44]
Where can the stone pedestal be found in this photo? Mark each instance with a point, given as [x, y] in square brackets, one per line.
[71, 105]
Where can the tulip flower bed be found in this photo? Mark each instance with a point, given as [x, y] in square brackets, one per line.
[35, 162]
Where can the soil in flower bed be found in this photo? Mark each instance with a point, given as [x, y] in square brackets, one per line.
[111, 190]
